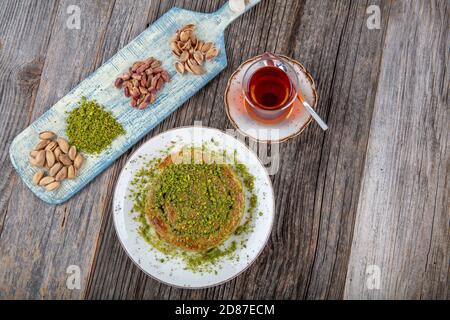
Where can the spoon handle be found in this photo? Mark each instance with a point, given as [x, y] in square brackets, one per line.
[314, 114]
[316, 117]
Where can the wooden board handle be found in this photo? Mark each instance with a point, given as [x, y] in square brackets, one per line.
[231, 10]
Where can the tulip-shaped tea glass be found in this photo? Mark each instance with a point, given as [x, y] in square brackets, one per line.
[270, 87]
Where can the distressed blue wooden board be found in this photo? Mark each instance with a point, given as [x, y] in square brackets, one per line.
[154, 41]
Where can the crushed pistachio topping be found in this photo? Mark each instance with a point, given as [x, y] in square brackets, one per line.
[197, 193]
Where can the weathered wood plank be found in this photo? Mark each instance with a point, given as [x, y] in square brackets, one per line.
[23, 45]
[110, 253]
[115, 276]
[346, 56]
[39, 241]
[22, 50]
[403, 213]
[308, 252]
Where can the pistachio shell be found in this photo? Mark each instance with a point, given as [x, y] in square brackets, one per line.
[62, 174]
[55, 169]
[37, 177]
[206, 47]
[57, 152]
[50, 158]
[198, 56]
[53, 186]
[177, 52]
[190, 26]
[180, 45]
[187, 68]
[46, 180]
[173, 46]
[32, 161]
[34, 153]
[51, 146]
[72, 152]
[65, 160]
[40, 158]
[78, 162]
[193, 39]
[192, 62]
[47, 135]
[196, 69]
[41, 145]
[71, 172]
[212, 53]
[187, 45]
[199, 45]
[63, 145]
[185, 35]
[184, 56]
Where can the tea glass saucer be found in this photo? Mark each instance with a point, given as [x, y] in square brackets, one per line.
[283, 130]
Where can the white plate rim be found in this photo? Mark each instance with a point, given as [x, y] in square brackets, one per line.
[251, 262]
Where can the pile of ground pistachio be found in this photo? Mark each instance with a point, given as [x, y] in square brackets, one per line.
[91, 128]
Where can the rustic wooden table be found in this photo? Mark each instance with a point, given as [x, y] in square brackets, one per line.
[368, 198]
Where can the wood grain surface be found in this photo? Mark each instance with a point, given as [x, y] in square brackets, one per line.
[371, 191]
[402, 223]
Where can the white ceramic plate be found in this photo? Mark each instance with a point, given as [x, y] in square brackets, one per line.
[172, 271]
